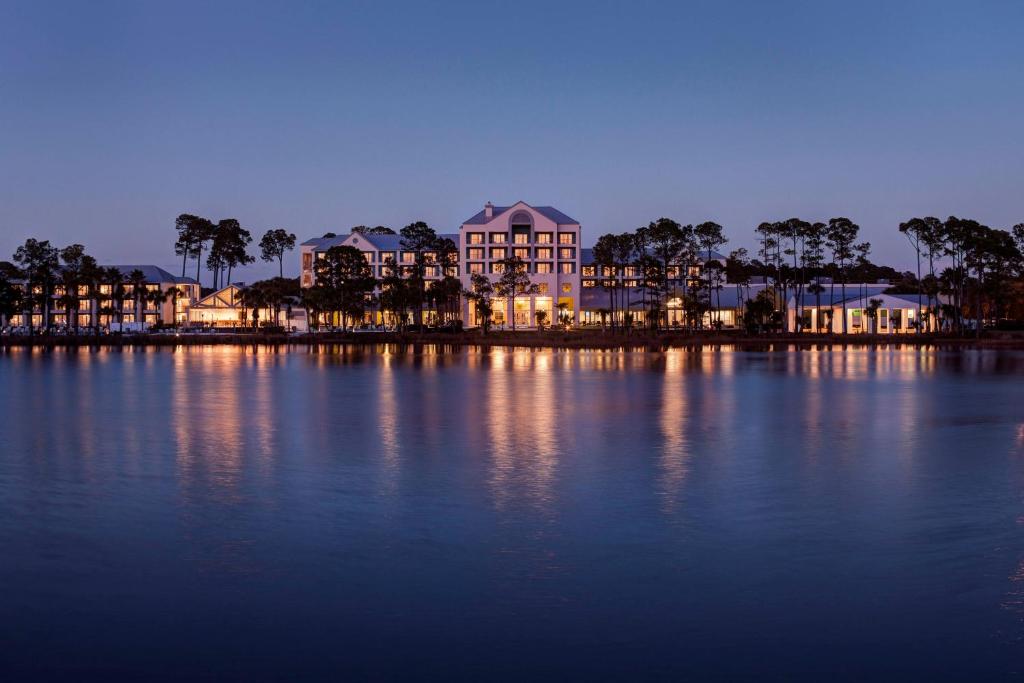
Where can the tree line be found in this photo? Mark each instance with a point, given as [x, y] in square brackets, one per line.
[967, 275]
[226, 245]
[666, 260]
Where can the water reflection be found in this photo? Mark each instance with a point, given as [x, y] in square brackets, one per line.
[675, 415]
[378, 491]
[522, 417]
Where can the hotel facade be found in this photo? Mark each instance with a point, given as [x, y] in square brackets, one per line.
[110, 306]
[544, 238]
[548, 243]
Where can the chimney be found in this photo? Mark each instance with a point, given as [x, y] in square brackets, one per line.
[488, 210]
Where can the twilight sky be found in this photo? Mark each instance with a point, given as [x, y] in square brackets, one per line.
[117, 116]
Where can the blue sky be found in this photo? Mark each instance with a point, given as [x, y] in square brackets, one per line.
[116, 117]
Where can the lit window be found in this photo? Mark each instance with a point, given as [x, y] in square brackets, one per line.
[543, 268]
[475, 253]
[499, 237]
[567, 238]
[497, 267]
[546, 253]
[566, 253]
[521, 238]
[476, 238]
[497, 252]
[589, 270]
[521, 252]
[475, 267]
[566, 267]
[589, 283]
[543, 238]
[566, 287]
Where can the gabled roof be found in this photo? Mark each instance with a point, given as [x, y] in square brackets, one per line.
[153, 274]
[222, 298]
[394, 242]
[856, 300]
[324, 243]
[548, 212]
[378, 242]
[854, 292]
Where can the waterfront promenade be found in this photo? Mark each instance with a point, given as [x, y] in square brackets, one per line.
[575, 339]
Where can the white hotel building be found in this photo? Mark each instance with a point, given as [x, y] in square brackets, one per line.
[546, 239]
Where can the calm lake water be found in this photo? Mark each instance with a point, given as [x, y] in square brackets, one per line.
[511, 514]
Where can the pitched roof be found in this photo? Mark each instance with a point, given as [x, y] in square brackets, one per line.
[226, 297]
[379, 242]
[151, 273]
[548, 212]
[834, 295]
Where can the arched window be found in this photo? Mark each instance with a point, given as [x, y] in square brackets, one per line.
[521, 223]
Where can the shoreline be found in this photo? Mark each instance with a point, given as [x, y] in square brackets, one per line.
[530, 339]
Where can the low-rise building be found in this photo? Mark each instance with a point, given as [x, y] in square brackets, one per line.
[143, 296]
[868, 310]
[225, 309]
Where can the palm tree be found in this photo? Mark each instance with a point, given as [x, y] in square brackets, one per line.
[114, 279]
[137, 280]
[871, 312]
[174, 293]
[564, 316]
[158, 298]
[541, 317]
[253, 298]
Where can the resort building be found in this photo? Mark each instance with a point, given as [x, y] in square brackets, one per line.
[225, 310]
[602, 283]
[378, 250]
[868, 310]
[549, 244]
[146, 296]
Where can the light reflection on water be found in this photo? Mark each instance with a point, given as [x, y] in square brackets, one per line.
[564, 511]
